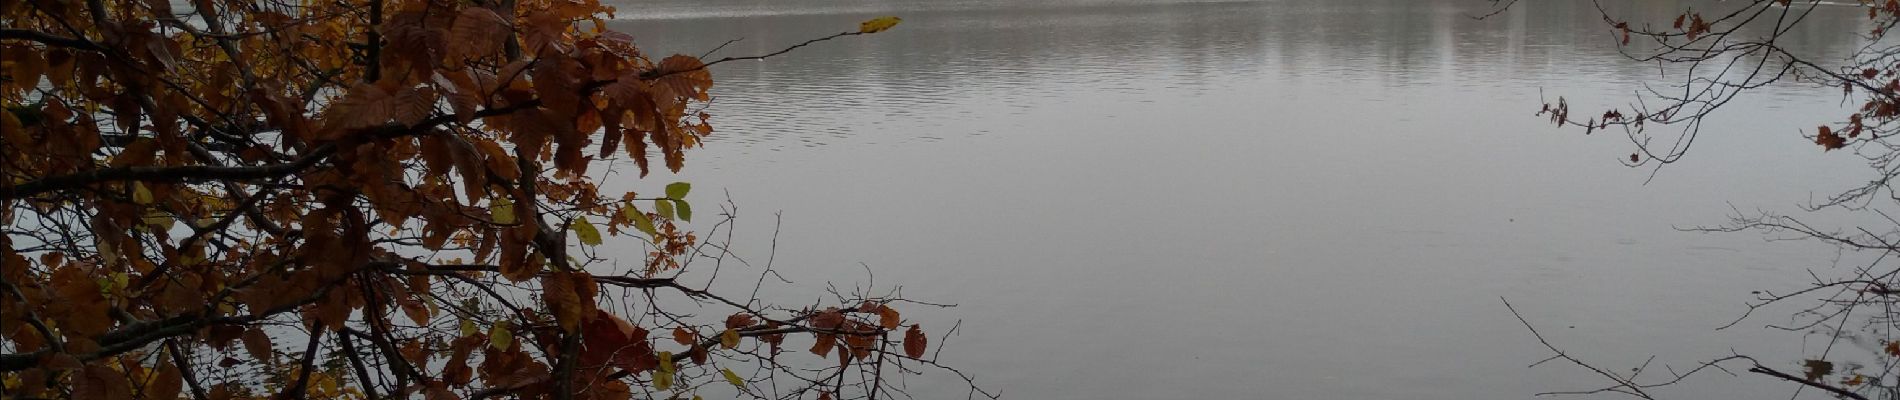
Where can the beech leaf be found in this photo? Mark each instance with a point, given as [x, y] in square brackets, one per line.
[662, 380]
[729, 339]
[140, 194]
[665, 208]
[683, 209]
[677, 190]
[640, 220]
[499, 335]
[915, 342]
[586, 231]
[733, 378]
[502, 211]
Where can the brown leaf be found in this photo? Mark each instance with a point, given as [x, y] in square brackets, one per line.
[571, 296]
[739, 320]
[824, 344]
[367, 105]
[1828, 140]
[98, 382]
[829, 319]
[258, 344]
[166, 384]
[915, 342]
[1814, 370]
[887, 317]
[684, 337]
[477, 32]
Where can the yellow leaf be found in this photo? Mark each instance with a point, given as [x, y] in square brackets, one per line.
[733, 378]
[879, 24]
[666, 362]
[586, 232]
[729, 339]
[158, 221]
[140, 194]
[468, 327]
[120, 281]
[640, 220]
[503, 211]
[662, 380]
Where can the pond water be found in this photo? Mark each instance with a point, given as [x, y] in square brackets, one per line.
[1250, 199]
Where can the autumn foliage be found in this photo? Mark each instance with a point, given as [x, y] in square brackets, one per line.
[1715, 53]
[373, 199]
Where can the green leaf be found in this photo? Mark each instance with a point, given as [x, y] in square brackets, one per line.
[640, 220]
[666, 362]
[733, 378]
[502, 210]
[499, 335]
[585, 230]
[141, 195]
[665, 208]
[677, 190]
[684, 210]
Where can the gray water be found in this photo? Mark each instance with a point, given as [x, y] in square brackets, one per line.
[1294, 199]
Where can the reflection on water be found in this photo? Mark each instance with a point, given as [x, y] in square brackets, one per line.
[1245, 199]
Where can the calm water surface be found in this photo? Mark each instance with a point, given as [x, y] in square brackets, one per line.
[1297, 199]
